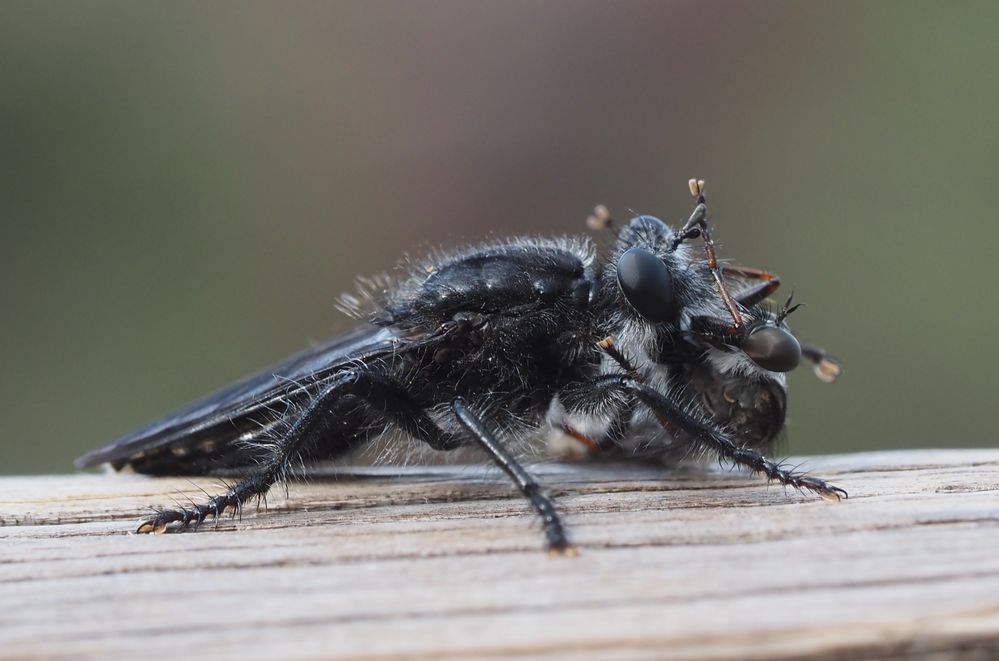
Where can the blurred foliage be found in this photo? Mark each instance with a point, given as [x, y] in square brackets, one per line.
[186, 187]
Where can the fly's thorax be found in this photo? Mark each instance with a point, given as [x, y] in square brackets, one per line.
[489, 278]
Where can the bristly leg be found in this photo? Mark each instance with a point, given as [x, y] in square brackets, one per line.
[825, 366]
[671, 415]
[379, 392]
[558, 542]
[233, 499]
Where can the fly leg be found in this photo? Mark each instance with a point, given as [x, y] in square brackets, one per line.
[380, 393]
[754, 294]
[673, 416]
[750, 273]
[597, 420]
[825, 366]
[558, 542]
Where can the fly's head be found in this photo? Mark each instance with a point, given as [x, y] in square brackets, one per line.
[683, 318]
[761, 346]
[654, 282]
[649, 285]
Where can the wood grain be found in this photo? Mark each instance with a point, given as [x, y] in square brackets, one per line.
[447, 563]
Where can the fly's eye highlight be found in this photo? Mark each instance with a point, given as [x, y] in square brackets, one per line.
[773, 349]
[647, 284]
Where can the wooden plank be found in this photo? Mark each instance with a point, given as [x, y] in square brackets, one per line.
[448, 563]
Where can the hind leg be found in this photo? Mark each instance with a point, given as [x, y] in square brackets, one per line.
[380, 393]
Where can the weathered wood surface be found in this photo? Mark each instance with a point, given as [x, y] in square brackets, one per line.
[447, 563]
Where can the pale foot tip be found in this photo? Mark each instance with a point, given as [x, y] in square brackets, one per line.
[827, 370]
[834, 495]
[599, 219]
[147, 527]
[568, 551]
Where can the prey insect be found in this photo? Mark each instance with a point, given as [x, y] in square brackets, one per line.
[656, 350]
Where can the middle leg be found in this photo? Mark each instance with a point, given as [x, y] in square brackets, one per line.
[558, 542]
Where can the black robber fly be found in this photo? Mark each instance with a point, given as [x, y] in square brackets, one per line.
[655, 350]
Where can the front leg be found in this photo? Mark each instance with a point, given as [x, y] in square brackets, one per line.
[598, 421]
[672, 416]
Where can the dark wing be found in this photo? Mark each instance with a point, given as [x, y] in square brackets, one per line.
[205, 429]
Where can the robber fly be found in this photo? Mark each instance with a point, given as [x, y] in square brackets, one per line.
[657, 349]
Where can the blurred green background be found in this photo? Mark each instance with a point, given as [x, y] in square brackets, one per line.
[187, 187]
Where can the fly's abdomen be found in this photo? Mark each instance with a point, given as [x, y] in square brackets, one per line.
[753, 410]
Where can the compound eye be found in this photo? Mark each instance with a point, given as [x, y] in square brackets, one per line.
[773, 349]
[646, 282]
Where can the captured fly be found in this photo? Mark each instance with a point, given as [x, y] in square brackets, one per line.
[657, 350]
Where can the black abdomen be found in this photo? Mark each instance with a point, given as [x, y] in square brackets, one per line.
[753, 409]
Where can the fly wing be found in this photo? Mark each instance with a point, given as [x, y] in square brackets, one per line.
[207, 428]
